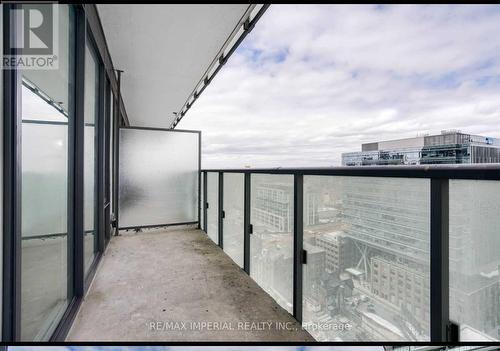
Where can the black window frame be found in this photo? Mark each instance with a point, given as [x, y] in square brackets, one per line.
[87, 30]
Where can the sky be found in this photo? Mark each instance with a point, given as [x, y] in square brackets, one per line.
[313, 81]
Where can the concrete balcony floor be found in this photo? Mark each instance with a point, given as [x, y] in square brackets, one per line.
[178, 276]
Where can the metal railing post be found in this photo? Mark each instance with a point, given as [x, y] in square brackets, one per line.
[199, 183]
[205, 202]
[246, 224]
[298, 205]
[221, 210]
[439, 259]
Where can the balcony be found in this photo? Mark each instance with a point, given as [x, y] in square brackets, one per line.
[177, 285]
[112, 231]
[317, 245]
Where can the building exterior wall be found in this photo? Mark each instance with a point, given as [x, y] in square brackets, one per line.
[316, 264]
[389, 215]
[408, 143]
[273, 207]
[339, 250]
[403, 287]
[446, 148]
[483, 154]
[369, 147]
[446, 154]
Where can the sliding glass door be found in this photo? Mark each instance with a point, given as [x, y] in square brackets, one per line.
[57, 153]
[47, 111]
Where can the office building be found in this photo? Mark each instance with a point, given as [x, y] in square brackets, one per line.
[339, 249]
[273, 207]
[449, 147]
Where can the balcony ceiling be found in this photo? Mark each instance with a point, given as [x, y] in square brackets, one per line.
[165, 51]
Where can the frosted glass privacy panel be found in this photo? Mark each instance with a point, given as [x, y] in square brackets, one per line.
[367, 271]
[158, 177]
[234, 206]
[475, 258]
[271, 244]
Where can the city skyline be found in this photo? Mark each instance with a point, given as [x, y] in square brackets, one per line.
[300, 90]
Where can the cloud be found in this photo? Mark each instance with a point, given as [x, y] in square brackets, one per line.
[313, 81]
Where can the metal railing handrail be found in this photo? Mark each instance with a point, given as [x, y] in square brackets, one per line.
[459, 171]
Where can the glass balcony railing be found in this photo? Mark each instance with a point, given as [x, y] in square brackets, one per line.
[408, 253]
[234, 206]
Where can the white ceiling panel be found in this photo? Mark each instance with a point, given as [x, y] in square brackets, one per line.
[164, 51]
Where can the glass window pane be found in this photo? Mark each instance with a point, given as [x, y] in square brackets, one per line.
[367, 272]
[44, 267]
[234, 204]
[90, 156]
[271, 244]
[475, 258]
[158, 177]
[213, 206]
